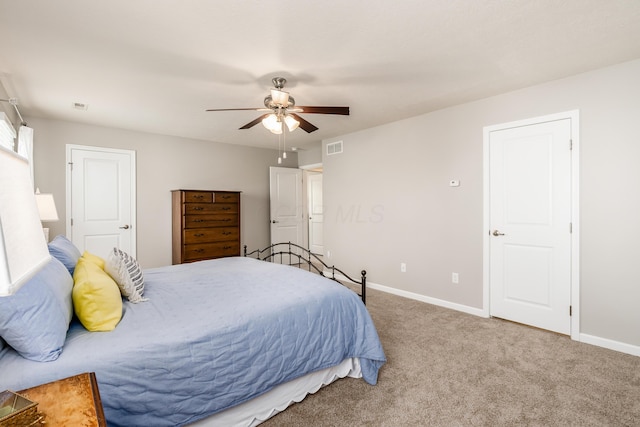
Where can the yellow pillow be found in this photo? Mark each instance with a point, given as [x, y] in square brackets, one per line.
[96, 297]
[93, 258]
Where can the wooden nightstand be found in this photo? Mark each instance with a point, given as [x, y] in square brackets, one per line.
[73, 401]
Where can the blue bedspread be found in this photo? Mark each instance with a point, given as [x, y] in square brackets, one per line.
[212, 335]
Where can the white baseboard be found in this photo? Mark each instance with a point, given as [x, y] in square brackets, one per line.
[631, 349]
[429, 300]
[634, 350]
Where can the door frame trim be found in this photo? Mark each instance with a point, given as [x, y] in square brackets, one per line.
[306, 176]
[574, 117]
[306, 169]
[134, 175]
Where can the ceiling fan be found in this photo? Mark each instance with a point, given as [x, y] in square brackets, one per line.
[280, 107]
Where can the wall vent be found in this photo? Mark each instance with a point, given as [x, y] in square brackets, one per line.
[334, 148]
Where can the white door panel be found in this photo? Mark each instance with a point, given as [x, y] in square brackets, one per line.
[101, 202]
[286, 205]
[530, 215]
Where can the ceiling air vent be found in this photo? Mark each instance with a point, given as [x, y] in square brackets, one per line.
[334, 148]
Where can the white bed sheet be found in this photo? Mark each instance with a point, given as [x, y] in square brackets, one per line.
[263, 407]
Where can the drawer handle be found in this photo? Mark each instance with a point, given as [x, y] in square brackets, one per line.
[226, 233]
[199, 196]
[199, 251]
[227, 219]
[198, 220]
[227, 247]
[198, 208]
[198, 235]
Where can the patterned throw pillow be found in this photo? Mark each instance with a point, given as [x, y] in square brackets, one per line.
[126, 271]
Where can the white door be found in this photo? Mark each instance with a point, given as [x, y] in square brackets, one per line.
[530, 224]
[286, 205]
[314, 192]
[101, 199]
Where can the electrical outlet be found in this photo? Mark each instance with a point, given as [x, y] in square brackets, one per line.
[403, 267]
[455, 278]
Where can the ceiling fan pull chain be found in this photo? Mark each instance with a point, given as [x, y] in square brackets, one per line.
[279, 158]
[284, 142]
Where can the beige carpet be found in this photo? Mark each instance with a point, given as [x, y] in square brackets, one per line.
[446, 368]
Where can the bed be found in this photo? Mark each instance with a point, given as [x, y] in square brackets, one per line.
[230, 341]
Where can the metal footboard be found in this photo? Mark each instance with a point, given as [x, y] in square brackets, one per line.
[295, 255]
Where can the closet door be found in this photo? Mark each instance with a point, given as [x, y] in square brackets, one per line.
[101, 198]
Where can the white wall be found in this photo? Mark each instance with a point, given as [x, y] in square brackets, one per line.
[310, 156]
[387, 198]
[164, 163]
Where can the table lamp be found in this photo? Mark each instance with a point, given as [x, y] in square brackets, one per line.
[46, 210]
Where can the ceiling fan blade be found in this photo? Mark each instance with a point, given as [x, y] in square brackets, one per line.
[236, 109]
[305, 125]
[343, 111]
[254, 122]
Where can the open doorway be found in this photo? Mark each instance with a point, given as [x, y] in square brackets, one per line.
[313, 210]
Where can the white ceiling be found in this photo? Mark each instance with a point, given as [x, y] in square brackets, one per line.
[157, 65]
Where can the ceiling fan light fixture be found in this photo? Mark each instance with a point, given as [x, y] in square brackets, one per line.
[279, 105]
[280, 97]
[273, 123]
[270, 121]
[277, 130]
[292, 124]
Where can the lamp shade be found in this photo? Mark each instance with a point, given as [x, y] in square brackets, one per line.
[280, 97]
[292, 124]
[272, 123]
[46, 207]
[23, 249]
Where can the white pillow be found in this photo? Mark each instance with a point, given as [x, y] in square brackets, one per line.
[126, 271]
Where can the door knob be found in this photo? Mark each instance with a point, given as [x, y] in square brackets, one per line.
[497, 233]
[126, 227]
[275, 222]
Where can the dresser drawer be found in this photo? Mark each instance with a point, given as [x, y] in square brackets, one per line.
[207, 208]
[198, 197]
[210, 250]
[226, 197]
[213, 220]
[207, 235]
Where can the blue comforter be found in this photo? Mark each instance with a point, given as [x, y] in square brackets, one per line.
[212, 335]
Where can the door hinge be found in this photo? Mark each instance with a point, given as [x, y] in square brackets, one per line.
[571, 144]
[71, 165]
[570, 311]
[72, 222]
[570, 227]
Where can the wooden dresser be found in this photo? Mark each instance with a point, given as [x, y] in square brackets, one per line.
[206, 224]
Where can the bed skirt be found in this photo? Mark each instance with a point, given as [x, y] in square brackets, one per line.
[263, 407]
